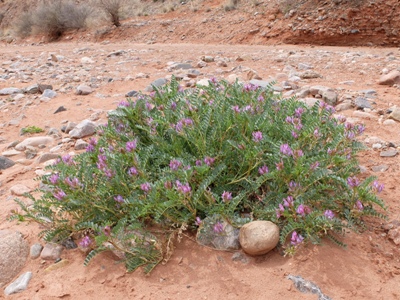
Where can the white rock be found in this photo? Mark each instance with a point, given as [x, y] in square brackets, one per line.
[34, 141]
[19, 285]
[19, 189]
[84, 128]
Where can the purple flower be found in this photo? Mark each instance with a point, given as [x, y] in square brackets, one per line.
[107, 230]
[263, 170]
[132, 171]
[350, 135]
[187, 121]
[359, 205]
[145, 187]
[85, 242]
[119, 199]
[174, 164]
[288, 202]
[286, 150]
[296, 239]
[54, 178]
[109, 174]
[214, 80]
[260, 98]
[298, 153]
[279, 211]
[198, 221]
[360, 129]
[101, 164]
[315, 165]
[199, 162]
[74, 183]
[130, 146]
[353, 182]
[123, 103]
[341, 119]
[293, 186]
[92, 144]
[209, 160]
[377, 186]
[301, 210]
[294, 134]
[348, 126]
[226, 196]
[173, 105]
[218, 227]
[289, 119]
[149, 106]
[298, 112]
[329, 151]
[67, 159]
[59, 194]
[183, 188]
[257, 136]
[316, 133]
[329, 214]
[236, 109]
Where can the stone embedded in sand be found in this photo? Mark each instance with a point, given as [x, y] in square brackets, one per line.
[49, 94]
[5, 163]
[19, 189]
[35, 250]
[13, 253]
[389, 153]
[395, 114]
[259, 237]
[156, 83]
[83, 90]
[391, 78]
[19, 285]
[84, 128]
[10, 91]
[80, 145]
[51, 251]
[34, 141]
[46, 157]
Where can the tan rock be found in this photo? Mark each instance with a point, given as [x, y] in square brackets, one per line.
[391, 78]
[259, 237]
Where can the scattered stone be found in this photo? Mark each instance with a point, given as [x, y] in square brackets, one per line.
[13, 254]
[80, 145]
[69, 244]
[33, 89]
[302, 66]
[69, 127]
[261, 83]
[156, 83]
[395, 114]
[377, 146]
[35, 251]
[30, 152]
[10, 153]
[19, 189]
[10, 91]
[19, 285]
[131, 94]
[390, 79]
[310, 102]
[49, 94]
[207, 58]
[239, 256]
[86, 60]
[389, 122]
[34, 141]
[5, 163]
[309, 75]
[381, 168]
[343, 106]
[84, 128]
[58, 265]
[201, 64]
[60, 109]
[46, 156]
[361, 103]
[364, 115]
[216, 232]
[51, 251]
[43, 87]
[393, 229]
[259, 237]
[307, 287]
[83, 90]
[222, 63]
[116, 53]
[389, 153]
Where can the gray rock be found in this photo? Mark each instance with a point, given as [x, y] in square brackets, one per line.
[183, 66]
[226, 238]
[80, 145]
[259, 237]
[5, 163]
[43, 87]
[86, 60]
[10, 153]
[261, 83]
[10, 91]
[69, 127]
[116, 53]
[239, 256]
[35, 250]
[33, 89]
[361, 103]
[306, 286]
[34, 141]
[60, 109]
[309, 75]
[343, 106]
[84, 128]
[19, 189]
[302, 66]
[381, 168]
[131, 94]
[156, 83]
[49, 94]
[13, 254]
[19, 285]
[83, 89]
[46, 156]
[310, 102]
[51, 251]
[389, 153]
[391, 78]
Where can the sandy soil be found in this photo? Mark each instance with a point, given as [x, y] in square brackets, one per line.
[368, 268]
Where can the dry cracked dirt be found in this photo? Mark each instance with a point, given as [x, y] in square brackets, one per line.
[369, 268]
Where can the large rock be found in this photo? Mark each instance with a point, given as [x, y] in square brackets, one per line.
[156, 83]
[51, 251]
[10, 91]
[395, 114]
[390, 78]
[19, 189]
[84, 128]
[5, 163]
[259, 237]
[83, 90]
[327, 94]
[13, 254]
[34, 141]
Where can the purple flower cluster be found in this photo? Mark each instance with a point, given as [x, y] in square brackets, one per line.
[119, 199]
[353, 182]
[378, 187]
[263, 170]
[132, 171]
[303, 210]
[218, 227]
[59, 194]
[183, 188]
[123, 103]
[314, 165]
[286, 150]
[85, 242]
[249, 87]
[186, 122]
[67, 159]
[226, 196]
[296, 239]
[91, 145]
[131, 146]
[329, 214]
[174, 164]
[145, 187]
[359, 205]
[209, 161]
[257, 136]
[73, 183]
[54, 178]
[198, 221]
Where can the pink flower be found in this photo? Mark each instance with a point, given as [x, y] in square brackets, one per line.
[329, 214]
[85, 242]
[263, 170]
[226, 196]
[296, 239]
[257, 136]
[218, 227]
[145, 187]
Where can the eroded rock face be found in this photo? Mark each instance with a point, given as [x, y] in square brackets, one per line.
[14, 251]
[259, 237]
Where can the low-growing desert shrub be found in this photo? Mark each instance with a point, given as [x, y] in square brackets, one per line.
[113, 8]
[30, 130]
[168, 160]
[53, 18]
[230, 5]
